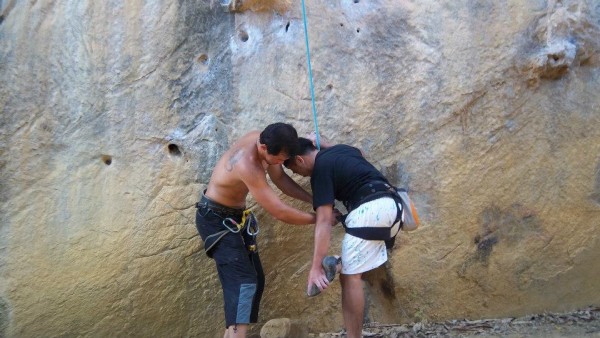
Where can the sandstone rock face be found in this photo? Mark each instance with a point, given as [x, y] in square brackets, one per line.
[114, 112]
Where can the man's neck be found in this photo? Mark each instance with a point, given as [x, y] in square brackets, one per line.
[260, 154]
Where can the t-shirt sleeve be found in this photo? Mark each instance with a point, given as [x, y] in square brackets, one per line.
[322, 186]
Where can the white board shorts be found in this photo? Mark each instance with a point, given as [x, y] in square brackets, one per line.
[361, 255]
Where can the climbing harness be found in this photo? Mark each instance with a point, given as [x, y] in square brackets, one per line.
[310, 77]
[248, 222]
[406, 212]
[367, 193]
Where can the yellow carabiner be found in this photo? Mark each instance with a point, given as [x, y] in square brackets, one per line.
[244, 215]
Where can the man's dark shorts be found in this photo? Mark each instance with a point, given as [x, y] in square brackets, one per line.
[240, 271]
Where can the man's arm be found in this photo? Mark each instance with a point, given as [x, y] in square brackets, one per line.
[317, 275]
[287, 185]
[256, 181]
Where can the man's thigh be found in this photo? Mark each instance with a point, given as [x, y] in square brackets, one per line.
[360, 255]
[238, 278]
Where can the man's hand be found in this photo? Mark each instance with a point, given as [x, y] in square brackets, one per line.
[317, 277]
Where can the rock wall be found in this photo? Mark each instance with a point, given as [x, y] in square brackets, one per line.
[113, 114]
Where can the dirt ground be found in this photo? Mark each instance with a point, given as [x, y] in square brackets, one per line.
[581, 323]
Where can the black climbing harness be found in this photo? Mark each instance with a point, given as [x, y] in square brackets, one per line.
[370, 192]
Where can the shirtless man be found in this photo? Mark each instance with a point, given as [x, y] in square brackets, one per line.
[242, 170]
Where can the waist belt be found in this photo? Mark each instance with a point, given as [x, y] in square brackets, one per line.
[368, 192]
[218, 208]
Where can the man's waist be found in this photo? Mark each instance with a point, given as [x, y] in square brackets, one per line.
[219, 208]
[368, 192]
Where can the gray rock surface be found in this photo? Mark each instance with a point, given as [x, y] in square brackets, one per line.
[114, 112]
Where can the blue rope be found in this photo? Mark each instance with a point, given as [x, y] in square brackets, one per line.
[310, 77]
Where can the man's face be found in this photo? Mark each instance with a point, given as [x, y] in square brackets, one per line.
[276, 159]
[298, 166]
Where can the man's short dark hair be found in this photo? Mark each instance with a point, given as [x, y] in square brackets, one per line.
[280, 137]
[305, 146]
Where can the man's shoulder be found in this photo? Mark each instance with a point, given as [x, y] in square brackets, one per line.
[242, 157]
[337, 150]
[327, 157]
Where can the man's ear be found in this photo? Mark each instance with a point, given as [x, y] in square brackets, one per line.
[262, 147]
[299, 160]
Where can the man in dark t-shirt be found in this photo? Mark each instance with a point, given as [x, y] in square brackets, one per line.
[340, 172]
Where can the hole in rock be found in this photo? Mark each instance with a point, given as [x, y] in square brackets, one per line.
[174, 150]
[203, 59]
[287, 26]
[243, 36]
[106, 159]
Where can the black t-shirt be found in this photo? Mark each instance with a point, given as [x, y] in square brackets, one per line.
[338, 173]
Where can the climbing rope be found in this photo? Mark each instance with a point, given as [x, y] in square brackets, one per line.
[310, 77]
